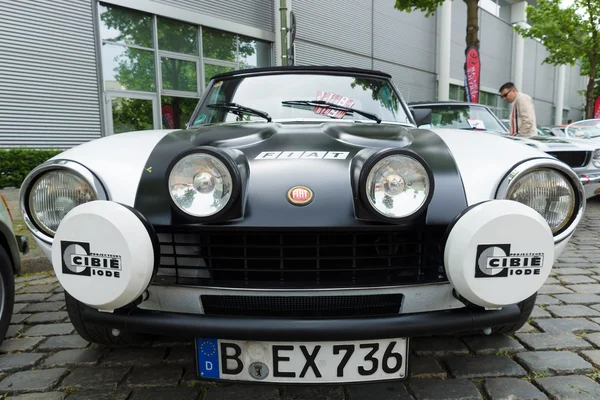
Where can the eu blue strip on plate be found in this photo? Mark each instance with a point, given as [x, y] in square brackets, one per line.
[208, 357]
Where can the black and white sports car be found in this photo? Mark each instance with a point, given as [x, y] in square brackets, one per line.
[302, 228]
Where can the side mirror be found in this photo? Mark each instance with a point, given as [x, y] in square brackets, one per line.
[422, 116]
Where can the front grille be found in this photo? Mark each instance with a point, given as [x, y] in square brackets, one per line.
[298, 259]
[302, 306]
[573, 159]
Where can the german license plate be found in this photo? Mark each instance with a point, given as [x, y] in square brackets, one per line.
[311, 362]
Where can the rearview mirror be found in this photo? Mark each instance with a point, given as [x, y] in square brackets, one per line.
[422, 116]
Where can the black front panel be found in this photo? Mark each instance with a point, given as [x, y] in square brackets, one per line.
[299, 259]
[573, 159]
[302, 306]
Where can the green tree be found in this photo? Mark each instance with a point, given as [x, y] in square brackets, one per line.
[569, 34]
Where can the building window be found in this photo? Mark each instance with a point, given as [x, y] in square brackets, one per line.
[565, 115]
[492, 100]
[156, 64]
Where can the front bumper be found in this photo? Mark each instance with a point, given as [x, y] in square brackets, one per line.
[293, 329]
[591, 184]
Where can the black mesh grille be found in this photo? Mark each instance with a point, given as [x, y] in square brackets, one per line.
[299, 259]
[302, 306]
[573, 159]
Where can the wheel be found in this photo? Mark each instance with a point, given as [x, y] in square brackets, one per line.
[7, 292]
[526, 307]
[99, 334]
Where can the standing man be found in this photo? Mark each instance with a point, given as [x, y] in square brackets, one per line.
[522, 116]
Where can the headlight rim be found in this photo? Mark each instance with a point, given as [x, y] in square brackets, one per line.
[526, 166]
[54, 165]
[368, 165]
[593, 158]
[230, 165]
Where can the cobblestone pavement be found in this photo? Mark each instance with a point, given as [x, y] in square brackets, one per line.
[555, 355]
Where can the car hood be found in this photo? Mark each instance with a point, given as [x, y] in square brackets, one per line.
[552, 144]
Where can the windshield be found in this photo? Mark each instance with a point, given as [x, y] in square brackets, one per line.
[266, 93]
[462, 116]
[586, 129]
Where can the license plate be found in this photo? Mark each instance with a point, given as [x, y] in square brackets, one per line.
[311, 362]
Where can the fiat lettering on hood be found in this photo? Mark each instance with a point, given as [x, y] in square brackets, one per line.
[302, 228]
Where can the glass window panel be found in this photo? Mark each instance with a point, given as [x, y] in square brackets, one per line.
[124, 25]
[127, 68]
[178, 74]
[131, 114]
[253, 53]
[219, 45]
[210, 70]
[177, 36]
[176, 111]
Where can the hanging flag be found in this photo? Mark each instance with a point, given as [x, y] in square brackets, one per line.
[597, 108]
[472, 72]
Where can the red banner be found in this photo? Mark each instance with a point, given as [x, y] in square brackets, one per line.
[597, 108]
[472, 71]
[167, 114]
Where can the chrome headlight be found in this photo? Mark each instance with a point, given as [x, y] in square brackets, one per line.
[52, 190]
[397, 186]
[201, 184]
[550, 188]
[596, 158]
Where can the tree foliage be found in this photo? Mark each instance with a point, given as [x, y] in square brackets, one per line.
[569, 34]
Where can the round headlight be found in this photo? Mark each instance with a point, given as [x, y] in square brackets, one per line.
[547, 191]
[596, 158]
[397, 186]
[54, 194]
[200, 185]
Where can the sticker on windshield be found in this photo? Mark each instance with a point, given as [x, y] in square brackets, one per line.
[335, 99]
[476, 123]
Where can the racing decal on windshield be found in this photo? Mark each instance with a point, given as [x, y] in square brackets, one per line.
[334, 99]
[496, 261]
[77, 259]
[291, 155]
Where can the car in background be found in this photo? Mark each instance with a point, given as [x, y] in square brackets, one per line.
[583, 158]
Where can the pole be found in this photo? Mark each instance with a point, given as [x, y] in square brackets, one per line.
[284, 31]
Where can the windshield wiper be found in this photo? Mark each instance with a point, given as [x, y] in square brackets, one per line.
[332, 106]
[239, 110]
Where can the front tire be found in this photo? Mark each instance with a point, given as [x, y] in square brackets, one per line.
[99, 334]
[7, 292]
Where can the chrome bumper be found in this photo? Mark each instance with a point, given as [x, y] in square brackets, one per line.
[587, 179]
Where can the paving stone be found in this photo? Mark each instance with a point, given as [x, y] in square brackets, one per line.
[20, 344]
[141, 357]
[157, 376]
[45, 306]
[570, 387]
[40, 396]
[119, 394]
[483, 366]
[170, 394]
[94, 378]
[19, 361]
[553, 289]
[593, 338]
[439, 346]
[494, 344]
[18, 307]
[578, 298]
[39, 288]
[453, 389]
[298, 393]
[259, 392]
[543, 299]
[183, 355]
[50, 330]
[45, 281]
[592, 356]
[567, 325]
[552, 341]
[573, 310]
[537, 312]
[13, 330]
[554, 362]
[18, 318]
[551, 281]
[21, 279]
[43, 317]
[571, 271]
[32, 297]
[32, 381]
[379, 391]
[426, 367]
[586, 288]
[73, 358]
[526, 328]
[57, 297]
[512, 389]
[64, 342]
[575, 279]
[59, 289]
